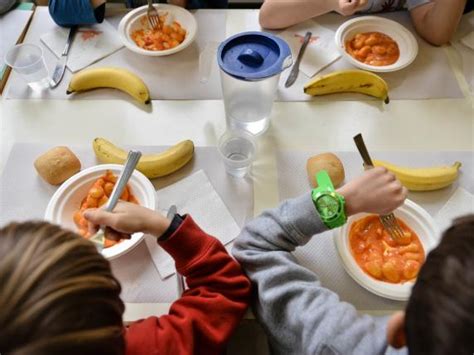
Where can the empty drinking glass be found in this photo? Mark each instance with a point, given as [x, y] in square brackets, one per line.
[237, 148]
[27, 60]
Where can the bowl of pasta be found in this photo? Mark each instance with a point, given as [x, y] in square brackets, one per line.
[376, 44]
[385, 266]
[90, 188]
[177, 31]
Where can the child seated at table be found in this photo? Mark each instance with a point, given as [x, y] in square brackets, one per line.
[434, 20]
[88, 12]
[301, 316]
[58, 294]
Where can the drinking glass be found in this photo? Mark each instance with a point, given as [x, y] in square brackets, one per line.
[27, 60]
[237, 149]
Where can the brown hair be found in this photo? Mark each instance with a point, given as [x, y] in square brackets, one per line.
[57, 294]
[440, 313]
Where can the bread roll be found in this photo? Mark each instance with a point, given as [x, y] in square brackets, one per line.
[57, 165]
[326, 161]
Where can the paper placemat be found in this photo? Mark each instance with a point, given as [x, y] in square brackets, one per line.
[90, 44]
[174, 77]
[12, 27]
[460, 203]
[465, 28]
[321, 50]
[320, 254]
[196, 196]
[420, 80]
[24, 196]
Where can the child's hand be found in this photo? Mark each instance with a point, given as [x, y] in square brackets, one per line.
[349, 7]
[376, 191]
[129, 218]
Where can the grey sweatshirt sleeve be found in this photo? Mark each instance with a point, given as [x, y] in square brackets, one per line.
[299, 315]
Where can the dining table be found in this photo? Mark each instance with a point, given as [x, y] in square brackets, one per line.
[425, 131]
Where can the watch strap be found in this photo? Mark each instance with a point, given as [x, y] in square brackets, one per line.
[324, 181]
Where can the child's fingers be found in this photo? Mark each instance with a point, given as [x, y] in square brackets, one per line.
[349, 7]
[99, 216]
[112, 234]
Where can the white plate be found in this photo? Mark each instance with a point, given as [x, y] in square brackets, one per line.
[406, 41]
[67, 200]
[131, 22]
[418, 220]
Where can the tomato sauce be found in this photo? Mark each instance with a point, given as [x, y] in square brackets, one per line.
[97, 196]
[382, 257]
[373, 48]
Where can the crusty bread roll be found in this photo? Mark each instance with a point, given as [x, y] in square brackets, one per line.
[326, 161]
[57, 165]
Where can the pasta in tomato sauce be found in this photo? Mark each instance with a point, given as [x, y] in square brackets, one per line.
[167, 37]
[382, 257]
[373, 48]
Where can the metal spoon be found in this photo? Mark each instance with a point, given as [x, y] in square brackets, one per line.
[132, 160]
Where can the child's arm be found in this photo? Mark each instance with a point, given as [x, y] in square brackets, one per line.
[203, 319]
[277, 14]
[298, 313]
[436, 21]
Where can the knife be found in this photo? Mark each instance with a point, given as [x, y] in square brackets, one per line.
[296, 67]
[61, 65]
[179, 278]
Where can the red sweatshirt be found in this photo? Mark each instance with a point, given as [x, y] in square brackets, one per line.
[203, 319]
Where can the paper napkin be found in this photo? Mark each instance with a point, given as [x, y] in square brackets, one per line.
[321, 50]
[90, 44]
[196, 196]
[468, 40]
[459, 204]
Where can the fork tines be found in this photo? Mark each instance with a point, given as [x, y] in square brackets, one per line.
[154, 20]
[391, 225]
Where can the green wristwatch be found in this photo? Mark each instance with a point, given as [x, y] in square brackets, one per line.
[329, 204]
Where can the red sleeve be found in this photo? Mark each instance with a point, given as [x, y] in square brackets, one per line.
[203, 319]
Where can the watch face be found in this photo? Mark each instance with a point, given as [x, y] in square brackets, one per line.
[327, 206]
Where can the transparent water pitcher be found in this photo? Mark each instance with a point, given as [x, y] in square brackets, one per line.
[251, 64]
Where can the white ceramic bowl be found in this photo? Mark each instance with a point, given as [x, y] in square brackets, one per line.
[131, 22]
[67, 200]
[418, 220]
[406, 41]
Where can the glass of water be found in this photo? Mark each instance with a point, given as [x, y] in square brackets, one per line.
[237, 149]
[27, 60]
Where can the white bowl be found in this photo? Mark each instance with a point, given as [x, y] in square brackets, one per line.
[418, 220]
[67, 200]
[131, 22]
[406, 41]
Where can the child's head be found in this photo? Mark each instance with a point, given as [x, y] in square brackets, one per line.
[439, 318]
[57, 294]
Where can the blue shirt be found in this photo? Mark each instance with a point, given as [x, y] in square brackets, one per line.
[81, 12]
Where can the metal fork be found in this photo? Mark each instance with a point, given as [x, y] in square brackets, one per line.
[153, 16]
[388, 221]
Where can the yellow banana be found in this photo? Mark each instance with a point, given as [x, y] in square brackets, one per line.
[358, 81]
[423, 179]
[107, 77]
[151, 165]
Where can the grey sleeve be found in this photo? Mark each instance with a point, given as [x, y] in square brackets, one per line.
[411, 4]
[299, 315]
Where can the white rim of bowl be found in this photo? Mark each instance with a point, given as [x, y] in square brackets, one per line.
[377, 20]
[127, 42]
[138, 237]
[375, 286]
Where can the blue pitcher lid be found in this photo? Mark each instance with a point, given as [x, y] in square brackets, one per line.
[253, 55]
